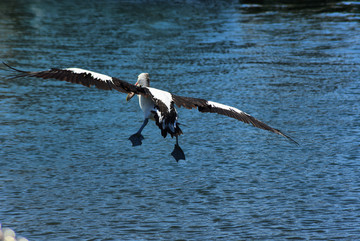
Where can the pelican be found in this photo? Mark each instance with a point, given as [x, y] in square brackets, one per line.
[157, 105]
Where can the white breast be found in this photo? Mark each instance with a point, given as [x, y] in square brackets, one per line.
[147, 106]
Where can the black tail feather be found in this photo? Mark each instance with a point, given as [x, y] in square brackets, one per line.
[165, 128]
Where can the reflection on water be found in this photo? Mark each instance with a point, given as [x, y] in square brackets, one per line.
[69, 172]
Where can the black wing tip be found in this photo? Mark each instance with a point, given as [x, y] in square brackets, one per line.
[7, 65]
[10, 67]
[15, 73]
[289, 138]
[293, 141]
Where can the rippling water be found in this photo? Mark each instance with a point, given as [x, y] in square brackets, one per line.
[67, 170]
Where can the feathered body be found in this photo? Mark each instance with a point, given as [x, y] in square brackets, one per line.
[157, 105]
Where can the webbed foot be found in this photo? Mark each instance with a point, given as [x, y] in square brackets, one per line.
[136, 139]
[178, 153]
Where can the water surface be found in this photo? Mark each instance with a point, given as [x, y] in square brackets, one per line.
[69, 172]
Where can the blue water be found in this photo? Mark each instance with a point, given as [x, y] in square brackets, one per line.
[69, 172]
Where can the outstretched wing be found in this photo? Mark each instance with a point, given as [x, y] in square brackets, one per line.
[164, 100]
[81, 76]
[214, 107]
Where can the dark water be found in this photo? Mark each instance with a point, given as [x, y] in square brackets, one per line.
[67, 170]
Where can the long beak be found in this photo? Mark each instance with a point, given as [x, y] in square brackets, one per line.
[129, 96]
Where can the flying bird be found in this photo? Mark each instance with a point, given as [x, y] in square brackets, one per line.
[157, 105]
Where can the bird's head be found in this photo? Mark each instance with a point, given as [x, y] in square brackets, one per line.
[142, 81]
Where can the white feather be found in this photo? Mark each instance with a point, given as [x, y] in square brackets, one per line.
[161, 95]
[93, 74]
[224, 107]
